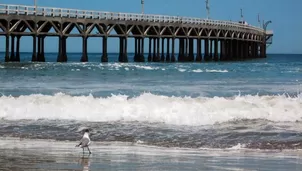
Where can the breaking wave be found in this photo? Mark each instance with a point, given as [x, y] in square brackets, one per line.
[152, 108]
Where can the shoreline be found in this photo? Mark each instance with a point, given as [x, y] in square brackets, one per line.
[27, 154]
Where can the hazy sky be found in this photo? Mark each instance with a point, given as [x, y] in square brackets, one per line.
[285, 14]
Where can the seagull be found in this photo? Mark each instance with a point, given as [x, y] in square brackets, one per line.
[85, 141]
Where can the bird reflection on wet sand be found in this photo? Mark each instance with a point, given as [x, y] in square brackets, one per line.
[85, 162]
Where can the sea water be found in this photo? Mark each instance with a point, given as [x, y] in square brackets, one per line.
[253, 104]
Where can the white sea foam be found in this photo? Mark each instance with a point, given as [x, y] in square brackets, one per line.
[130, 65]
[238, 147]
[152, 108]
[146, 67]
[213, 70]
[25, 68]
[197, 70]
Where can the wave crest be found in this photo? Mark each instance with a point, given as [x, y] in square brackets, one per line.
[152, 108]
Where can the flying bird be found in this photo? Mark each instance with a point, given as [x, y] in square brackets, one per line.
[85, 141]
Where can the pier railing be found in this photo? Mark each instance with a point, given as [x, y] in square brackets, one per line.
[101, 15]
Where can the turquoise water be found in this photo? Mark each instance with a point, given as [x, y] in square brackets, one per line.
[255, 103]
[278, 74]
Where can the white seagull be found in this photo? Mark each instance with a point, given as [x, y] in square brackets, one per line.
[85, 141]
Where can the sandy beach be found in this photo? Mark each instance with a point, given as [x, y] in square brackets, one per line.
[23, 154]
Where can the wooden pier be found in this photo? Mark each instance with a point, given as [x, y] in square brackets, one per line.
[214, 40]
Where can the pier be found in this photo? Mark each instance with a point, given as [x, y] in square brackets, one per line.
[214, 40]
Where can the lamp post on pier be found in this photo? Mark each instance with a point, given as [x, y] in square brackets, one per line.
[143, 3]
[208, 9]
[259, 20]
[35, 7]
[241, 13]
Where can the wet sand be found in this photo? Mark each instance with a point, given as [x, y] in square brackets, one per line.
[43, 155]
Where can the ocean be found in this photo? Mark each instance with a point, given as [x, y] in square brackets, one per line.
[252, 105]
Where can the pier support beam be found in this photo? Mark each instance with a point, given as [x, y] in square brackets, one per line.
[139, 49]
[235, 50]
[150, 50]
[252, 50]
[84, 53]
[168, 59]
[234, 57]
[231, 52]
[227, 52]
[18, 49]
[252, 55]
[257, 49]
[125, 58]
[43, 49]
[206, 50]
[162, 58]
[64, 49]
[34, 55]
[158, 50]
[135, 50]
[198, 49]
[105, 54]
[242, 50]
[245, 49]
[154, 50]
[222, 50]
[39, 48]
[41, 56]
[191, 50]
[211, 50]
[142, 53]
[249, 49]
[60, 50]
[216, 50]
[7, 48]
[186, 56]
[181, 50]
[262, 50]
[138, 54]
[123, 50]
[238, 50]
[173, 59]
[120, 58]
[12, 55]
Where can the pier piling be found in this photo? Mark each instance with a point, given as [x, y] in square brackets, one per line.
[168, 58]
[18, 49]
[173, 59]
[150, 50]
[12, 56]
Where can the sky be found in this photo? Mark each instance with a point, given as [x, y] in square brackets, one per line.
[285, 16]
